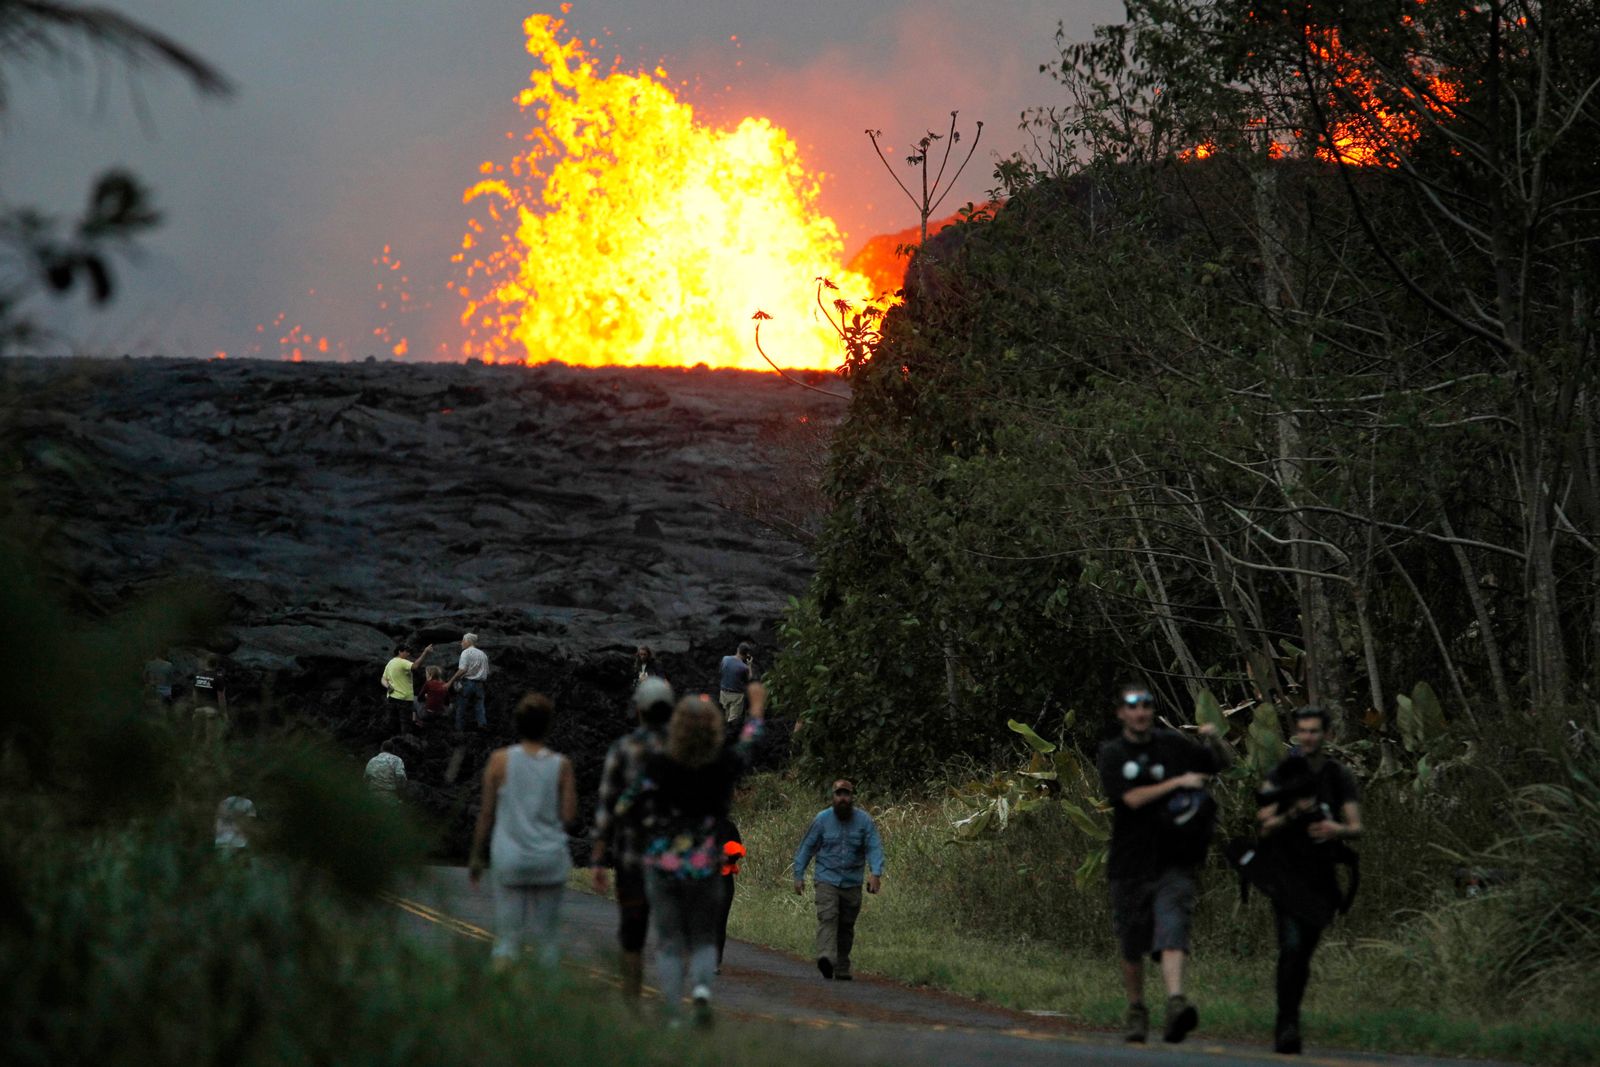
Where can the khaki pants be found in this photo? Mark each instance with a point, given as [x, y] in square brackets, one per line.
[732, 705]
[836, 924]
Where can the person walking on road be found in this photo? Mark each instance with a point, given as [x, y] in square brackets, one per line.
[470, 681]
[683, 793]
[529, 797]
[734, 680]
[1154, 779]
[844, 839]
[401, 702]
[1311, 802]
[614, 839]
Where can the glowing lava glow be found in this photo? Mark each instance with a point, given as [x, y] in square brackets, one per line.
[1370, 120]
[628, 232]
[1372, 132]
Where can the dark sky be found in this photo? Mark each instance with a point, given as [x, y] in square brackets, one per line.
[358, 124]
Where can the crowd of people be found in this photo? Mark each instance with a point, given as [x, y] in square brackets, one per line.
[663, 835]
[412, 707]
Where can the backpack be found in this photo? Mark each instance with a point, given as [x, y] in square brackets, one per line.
[1188, 817]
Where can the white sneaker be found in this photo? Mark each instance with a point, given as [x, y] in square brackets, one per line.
[702, 1005]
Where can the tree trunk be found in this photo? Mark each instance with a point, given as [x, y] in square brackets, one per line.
[1480, 610]
[1325, 681]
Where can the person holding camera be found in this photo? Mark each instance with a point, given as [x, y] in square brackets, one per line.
[1310, 803]
[1160, 827]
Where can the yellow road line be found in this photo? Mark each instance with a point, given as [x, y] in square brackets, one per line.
[449, 922]
[478, 933]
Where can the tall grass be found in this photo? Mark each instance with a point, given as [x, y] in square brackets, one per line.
[141, 947]
[1412, 969]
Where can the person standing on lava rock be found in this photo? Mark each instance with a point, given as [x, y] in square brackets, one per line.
[645, 665]
[435, 694]
[735, 678]
[210, 686]
[615, 838]
[470, 679]
[401, 699]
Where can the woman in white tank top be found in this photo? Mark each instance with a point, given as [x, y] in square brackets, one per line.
[529, 797]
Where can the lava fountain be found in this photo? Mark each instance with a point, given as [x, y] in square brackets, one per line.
[629, 232]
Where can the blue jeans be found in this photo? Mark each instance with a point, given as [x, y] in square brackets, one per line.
[471, 698]
[528, 913]
[683, 912]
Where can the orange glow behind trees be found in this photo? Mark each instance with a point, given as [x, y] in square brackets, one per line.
[628, 232]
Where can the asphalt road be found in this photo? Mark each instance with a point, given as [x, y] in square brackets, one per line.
[871, 1020]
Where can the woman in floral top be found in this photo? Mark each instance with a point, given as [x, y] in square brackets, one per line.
[682, 794]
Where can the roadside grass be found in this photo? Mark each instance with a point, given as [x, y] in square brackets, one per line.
[143, 947]
[1000, 920]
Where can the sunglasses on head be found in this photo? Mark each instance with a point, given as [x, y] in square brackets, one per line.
[1133, 700]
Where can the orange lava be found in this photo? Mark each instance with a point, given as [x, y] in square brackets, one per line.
[629, 232]
[882, 260]
[1365, 130]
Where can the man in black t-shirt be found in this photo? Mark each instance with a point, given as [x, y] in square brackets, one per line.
[1310, 801]
[1143, 771]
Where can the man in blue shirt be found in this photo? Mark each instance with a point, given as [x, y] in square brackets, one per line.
[843, 840]
[734, 678]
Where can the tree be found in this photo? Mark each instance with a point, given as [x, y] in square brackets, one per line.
[1215, 399]
[42, 253]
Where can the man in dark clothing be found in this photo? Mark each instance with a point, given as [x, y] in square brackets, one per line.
[1310, 800]
[645, 665]
[734, 678]
[732, 853]
[1148, 774]
[615, 837]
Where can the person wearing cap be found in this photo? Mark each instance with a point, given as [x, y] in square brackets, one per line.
[614, 840]
[1309, 801]
[844, 840]
[1151, 870]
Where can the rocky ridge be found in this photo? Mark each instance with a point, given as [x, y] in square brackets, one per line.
[563, 514]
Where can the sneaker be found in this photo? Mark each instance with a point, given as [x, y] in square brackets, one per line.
[825, 965]
[1181, 1018]
[1287, 1039]
[702, 1006]
[1136, 1025]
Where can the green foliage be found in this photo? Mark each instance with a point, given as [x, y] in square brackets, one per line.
[1420, 718]
[1055, 776]
[1226, 424]
[53, 255]
[1264, 739]
[1000, 917]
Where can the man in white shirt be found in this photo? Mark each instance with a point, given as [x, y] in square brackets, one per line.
[470, 678]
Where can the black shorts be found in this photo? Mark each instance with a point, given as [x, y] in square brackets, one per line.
[1151, 915]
